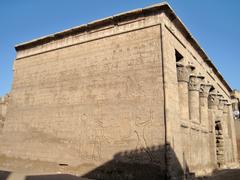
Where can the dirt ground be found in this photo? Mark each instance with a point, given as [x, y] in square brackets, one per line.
[228, 174]
[233, 174]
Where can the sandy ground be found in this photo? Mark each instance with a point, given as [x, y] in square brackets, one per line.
[229, 174]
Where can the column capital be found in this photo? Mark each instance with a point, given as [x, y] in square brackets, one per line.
[221, 104]
[234, 100]
[226, 104]
[213, 100]
[205, 89]
[235, 104]
[183, 72]
[195, 82]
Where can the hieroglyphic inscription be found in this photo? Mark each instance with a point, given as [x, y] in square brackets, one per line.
[100, 97]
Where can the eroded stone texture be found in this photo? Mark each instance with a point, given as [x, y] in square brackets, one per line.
[128, 96]
[101, 96]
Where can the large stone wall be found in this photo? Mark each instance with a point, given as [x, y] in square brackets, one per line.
[85, 103]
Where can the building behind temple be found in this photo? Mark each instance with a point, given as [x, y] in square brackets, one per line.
[126, 92]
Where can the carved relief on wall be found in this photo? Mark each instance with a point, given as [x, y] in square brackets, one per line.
[142, 130]
[90, 94]
[133, 87]
[116, 130]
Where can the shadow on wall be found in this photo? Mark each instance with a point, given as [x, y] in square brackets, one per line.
[139, 164]
[4, 175]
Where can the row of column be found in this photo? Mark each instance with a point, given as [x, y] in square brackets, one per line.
[193, 95]
[202, 105]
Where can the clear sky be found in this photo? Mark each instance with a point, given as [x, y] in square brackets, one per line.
[214, 23]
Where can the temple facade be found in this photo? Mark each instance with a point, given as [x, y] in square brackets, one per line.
[130, 91]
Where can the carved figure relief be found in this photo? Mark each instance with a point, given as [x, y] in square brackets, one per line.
[140, 129]
[83, 136]
[97, 144]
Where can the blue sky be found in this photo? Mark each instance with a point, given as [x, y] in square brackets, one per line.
[214, 23]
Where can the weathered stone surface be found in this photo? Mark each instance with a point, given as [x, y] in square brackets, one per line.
[102, 96]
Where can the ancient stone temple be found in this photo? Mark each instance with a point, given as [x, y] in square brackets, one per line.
[131, 96]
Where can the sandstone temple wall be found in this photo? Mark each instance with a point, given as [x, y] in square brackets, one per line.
[87, 102]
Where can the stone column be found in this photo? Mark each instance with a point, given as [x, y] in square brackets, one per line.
[219, 131]
[227, 134]
[233, 134]
[204, 93]
[194, 108]
[213, 102]
[235, 108]
[225, 118]
[205, 135]
[194, 113]
[183, 73]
